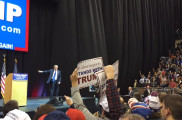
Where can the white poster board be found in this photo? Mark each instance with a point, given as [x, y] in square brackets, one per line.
[102, 80]
[116, 72]
[86, 71]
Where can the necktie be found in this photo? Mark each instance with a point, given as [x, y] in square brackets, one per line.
[54, 76]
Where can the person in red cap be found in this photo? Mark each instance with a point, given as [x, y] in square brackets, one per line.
[75, 114]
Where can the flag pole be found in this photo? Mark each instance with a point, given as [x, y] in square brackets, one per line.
[2, 75]
[4, 55]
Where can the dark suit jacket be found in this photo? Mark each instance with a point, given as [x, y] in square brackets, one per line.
[146, 93]
[51, 71]
[131, 93]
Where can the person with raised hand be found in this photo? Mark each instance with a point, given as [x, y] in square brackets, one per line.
[114, 103]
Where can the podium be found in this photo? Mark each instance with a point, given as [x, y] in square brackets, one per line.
[16, 88]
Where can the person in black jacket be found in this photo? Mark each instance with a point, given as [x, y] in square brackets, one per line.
[147, 91]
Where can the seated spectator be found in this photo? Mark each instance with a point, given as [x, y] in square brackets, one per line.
[75, 114]
[153, 101]
[179, 83]
[154, 82]
[10, 105]
[55, 115]
[125, 107]
[138, 96]
[16, 115]
[161, 96]
[164, 79]
[139, 108]
[147, 81]
[170, 76]
[131, 117]
[172, 84]
[172, 107]
[164, 84]
[178, 90]
[163, 72]
[42, 110]
[114, 104]
[119, 91]
[175, 75]
[11, 112]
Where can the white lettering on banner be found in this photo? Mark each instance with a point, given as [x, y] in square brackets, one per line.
[6, 46]
[10, 29]
[2, 4]
[86, 70]
[12, 11]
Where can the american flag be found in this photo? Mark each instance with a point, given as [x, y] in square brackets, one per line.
[3, 76]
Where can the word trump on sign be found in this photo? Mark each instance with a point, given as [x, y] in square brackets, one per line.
[86, 71]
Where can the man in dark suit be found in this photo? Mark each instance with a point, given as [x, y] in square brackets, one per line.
[147, 91]
[130, 92]
[54, 80]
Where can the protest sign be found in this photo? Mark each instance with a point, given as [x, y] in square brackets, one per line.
[102, 84]
[86, 71]
[102, 80]
[116, 72]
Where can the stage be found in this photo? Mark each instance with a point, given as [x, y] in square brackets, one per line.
[34, 103]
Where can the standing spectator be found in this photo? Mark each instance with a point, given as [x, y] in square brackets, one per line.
[147, 91]
[130, 92]
[135, 85]
[114, 103]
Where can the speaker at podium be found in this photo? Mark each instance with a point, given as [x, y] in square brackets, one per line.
[16, 88]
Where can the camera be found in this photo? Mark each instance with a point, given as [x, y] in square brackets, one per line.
[62, 98]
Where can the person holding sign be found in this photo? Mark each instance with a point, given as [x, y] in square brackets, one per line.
[114, 109]
[54, 80]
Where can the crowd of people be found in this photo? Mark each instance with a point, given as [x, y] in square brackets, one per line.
[152, 104]
[161, 87]
[167, 75]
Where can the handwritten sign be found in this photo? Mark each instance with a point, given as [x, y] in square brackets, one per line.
[86, 71]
